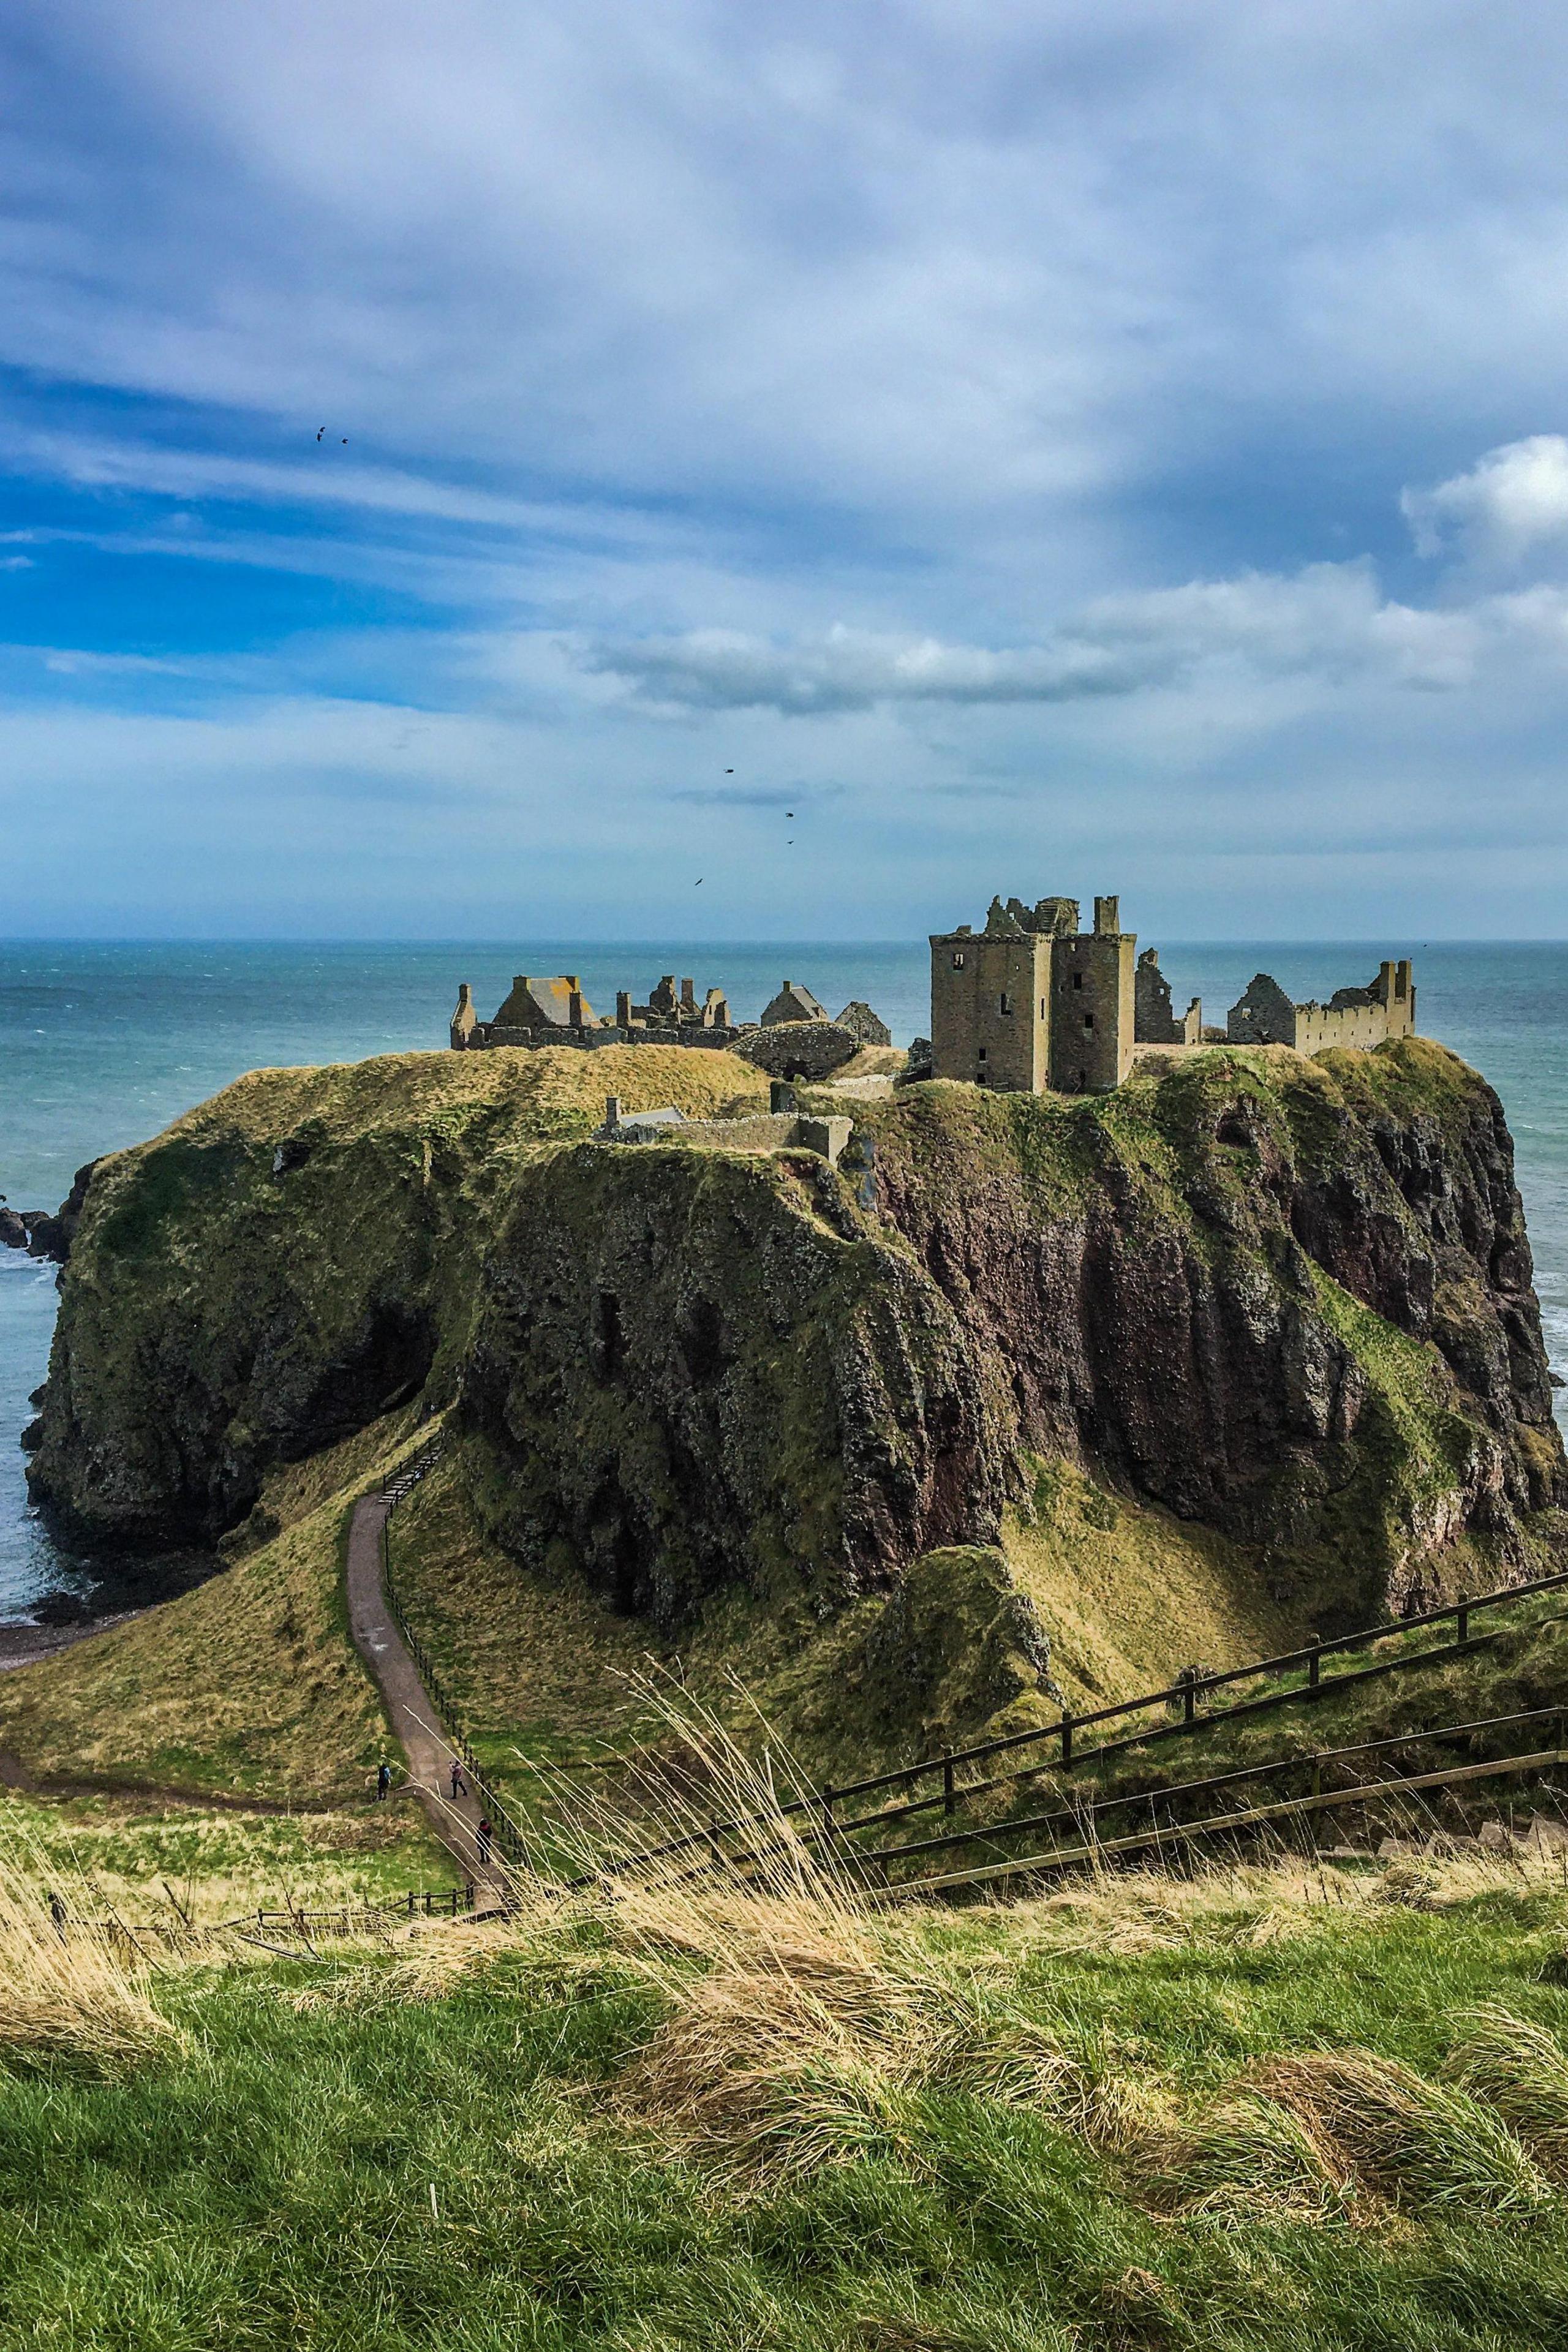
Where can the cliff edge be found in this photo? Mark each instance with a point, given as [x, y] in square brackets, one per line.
[1289, 1297]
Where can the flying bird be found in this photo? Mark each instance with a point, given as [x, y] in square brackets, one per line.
[698, 883]
[319, 435]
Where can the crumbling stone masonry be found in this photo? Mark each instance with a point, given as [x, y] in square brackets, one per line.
[1031, 1004]
[780, 1130]
[796, 1038]
[1264, 1015]
[555, 1012]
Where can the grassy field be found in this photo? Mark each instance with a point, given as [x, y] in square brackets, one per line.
[248, 1686]
[1280, 2107]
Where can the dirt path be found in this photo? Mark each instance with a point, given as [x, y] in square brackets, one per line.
[413, 1717]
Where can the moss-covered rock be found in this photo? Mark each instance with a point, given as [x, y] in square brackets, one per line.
[696, 1368]
[1287, 1299]
[293, 1258]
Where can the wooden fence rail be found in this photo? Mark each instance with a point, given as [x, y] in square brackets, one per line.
[1063, 1734]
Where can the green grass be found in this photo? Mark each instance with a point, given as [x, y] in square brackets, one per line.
[134, 1851]
[473, 2171]
[1523, 1667]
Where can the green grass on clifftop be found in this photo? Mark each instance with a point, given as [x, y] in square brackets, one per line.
[1251, 2115]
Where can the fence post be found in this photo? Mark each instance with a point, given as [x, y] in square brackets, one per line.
[827, 1820]
[1189, 1692]
[1462, 1617]
[947, 1792]
[1067, 1740]
[1315, 1666]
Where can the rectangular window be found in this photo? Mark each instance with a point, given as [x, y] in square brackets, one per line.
[958, 963]
[1089, 1019]
[1042, 1008]
[982, 1052]
[1077, 980]
[1004, 1003]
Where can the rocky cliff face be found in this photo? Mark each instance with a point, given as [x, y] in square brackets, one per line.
[695, 1370]
[291, 1260]
[1290, 1299]
[1293, 1298]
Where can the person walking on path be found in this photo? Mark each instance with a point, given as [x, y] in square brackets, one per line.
[484, 1837]
[460, 1786]
[382, 1781]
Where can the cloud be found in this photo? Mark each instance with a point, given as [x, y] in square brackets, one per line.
[1328, 623]
[988, 394]
[1511, 507]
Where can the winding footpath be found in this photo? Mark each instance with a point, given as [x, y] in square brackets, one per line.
[410, 1710]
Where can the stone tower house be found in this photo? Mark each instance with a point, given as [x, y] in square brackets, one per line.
[1031, 1002]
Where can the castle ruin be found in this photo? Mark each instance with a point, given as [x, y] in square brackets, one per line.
[554, 1012]
[1032, 1005]
[795, 1039]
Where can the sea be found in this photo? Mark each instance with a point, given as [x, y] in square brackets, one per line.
[103, 1042]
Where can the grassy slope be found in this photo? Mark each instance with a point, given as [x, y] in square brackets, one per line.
[1130, 1595]
[247, 1686]
[545, 1670]
[479, 2170]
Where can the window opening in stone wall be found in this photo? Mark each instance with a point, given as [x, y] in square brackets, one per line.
[982, 1052]
[1082, 1080]
[1042, 1008]
[958, 963]
[1089, 1019]
[1077, 980]
[1004, 1003]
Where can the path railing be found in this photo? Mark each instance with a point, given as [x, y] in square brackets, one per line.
[508, 1838]
[1181, 1702]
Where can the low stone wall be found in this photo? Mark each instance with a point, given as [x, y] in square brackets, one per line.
[487, 1034]
[765, 1130]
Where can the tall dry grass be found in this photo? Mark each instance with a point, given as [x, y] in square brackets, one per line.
[73, 1979]
[802, 2020]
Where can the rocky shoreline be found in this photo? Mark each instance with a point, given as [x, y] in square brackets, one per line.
[22, 1645]
[41, 1233]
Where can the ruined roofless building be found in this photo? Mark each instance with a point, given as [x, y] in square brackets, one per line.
[554, 1012]
[1032, 1005]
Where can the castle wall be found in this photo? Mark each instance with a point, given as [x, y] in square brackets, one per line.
[763, 1131]
[1355, 1017]
[1155, 1021]
[486, 1034]
[990, 1009]
[1093, 1005]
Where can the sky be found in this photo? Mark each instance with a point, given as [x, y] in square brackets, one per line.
[683, 471]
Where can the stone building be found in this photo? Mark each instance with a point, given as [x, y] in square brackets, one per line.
[554, 1012]
[861, 1022]
[1264, 1015]
[1031, 1004]
[793, 1002]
